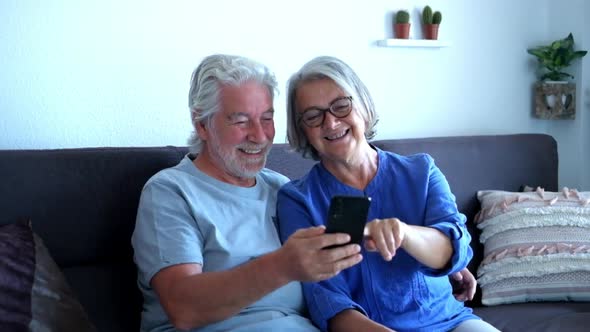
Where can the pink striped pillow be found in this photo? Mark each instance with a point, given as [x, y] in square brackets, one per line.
[536, 246]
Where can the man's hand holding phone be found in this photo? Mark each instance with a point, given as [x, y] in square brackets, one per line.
[305, 254]
[304, 257]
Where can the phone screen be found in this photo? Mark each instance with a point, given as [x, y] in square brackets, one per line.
[348, 214]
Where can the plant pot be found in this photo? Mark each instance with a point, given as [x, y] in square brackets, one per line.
[401, 30]
[555, 100]
[431, 31]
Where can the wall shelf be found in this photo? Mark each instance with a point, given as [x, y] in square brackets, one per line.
[394, 42]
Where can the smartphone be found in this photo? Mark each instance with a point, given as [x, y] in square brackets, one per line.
[348, 214]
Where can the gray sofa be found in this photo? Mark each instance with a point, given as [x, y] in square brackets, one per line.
[82, 202]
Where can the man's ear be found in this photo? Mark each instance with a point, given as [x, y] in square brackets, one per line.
[200, 127]
[202, 130]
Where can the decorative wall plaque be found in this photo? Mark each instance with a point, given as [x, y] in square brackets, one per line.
[555, 100]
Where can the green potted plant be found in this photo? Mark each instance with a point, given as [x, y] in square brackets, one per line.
[553, 58]
[430, 23]
[555, 97]
[401, 25]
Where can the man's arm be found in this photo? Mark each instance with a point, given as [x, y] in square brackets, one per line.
[192, 298]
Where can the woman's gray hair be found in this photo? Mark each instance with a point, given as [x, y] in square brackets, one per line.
[206, 82]
[326, 67]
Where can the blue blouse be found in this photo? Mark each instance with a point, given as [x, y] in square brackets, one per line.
[402, 294]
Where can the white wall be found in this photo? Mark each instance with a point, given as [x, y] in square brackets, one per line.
[573, 137]
[585, 101]
[116, 73]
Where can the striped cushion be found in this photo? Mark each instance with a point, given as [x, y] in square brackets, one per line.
[536, 246]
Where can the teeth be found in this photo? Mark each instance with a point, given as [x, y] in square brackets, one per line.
[335, 136]
[250, 151]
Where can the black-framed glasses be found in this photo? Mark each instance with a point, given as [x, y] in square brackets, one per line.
[314, 117]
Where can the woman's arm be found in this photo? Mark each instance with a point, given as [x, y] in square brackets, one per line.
[427, 245]
[354, 321]
[441, 242]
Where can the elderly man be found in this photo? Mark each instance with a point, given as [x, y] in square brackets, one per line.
[207, 250]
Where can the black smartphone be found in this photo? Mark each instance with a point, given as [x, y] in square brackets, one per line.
[348, 214]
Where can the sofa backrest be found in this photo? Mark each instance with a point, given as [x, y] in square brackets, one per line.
[82, 202]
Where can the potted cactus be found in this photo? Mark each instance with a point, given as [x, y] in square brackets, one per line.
[430, 23]
[401, 25]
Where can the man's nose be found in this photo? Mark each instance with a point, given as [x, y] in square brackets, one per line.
[256, 132]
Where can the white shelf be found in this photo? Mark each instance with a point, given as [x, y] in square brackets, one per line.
[394, 42]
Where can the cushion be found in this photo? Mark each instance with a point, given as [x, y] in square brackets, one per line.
[35, 295]
[536, 246]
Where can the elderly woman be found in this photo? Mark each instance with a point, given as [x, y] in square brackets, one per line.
[415, 237]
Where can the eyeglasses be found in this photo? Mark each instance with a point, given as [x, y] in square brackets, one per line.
[314, 117]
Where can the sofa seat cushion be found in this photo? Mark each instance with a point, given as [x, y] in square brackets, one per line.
[538, 317]
[35, 295]
[536, 246]
[109, 293]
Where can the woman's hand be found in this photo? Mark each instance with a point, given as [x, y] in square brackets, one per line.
[426, 244]
[385, 236]
[464, 285]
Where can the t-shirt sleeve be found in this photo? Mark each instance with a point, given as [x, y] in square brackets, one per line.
[165, 233]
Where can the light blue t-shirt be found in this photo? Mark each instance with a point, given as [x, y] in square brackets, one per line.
[186, 216]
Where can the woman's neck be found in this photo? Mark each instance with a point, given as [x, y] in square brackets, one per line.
[357, 171]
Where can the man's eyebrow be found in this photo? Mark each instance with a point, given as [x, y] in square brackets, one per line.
[235, 115]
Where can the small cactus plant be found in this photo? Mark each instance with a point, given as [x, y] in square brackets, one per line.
[436, 17]
[401, 26]
[402, 17]
[428, 17]
[430, 22]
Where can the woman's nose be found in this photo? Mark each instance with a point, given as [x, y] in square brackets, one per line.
[330, 120]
